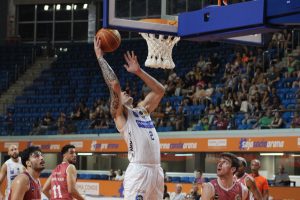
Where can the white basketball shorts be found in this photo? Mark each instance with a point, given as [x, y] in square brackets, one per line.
[143, 182]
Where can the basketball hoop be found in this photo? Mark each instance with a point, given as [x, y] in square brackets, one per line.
[160, 46]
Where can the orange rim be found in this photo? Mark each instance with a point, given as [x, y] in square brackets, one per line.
[160, 21]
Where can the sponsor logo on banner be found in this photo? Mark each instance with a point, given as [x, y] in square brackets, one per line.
[77, 144]
[98, 146]
[7, 144]
[45, 146]
[217, 142]
[54, 146]
[178, 145]
[247, 143]
[88, 188]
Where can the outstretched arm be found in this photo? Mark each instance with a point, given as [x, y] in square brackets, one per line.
[116, 108]
[152, 100]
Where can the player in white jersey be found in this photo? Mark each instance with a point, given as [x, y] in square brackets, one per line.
[10, 169]
[144, 179]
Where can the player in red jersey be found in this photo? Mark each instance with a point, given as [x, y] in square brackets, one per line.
[62, 181]
[26, 186]
[225, 187]
[247, 180]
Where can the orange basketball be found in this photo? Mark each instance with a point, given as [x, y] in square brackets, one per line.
[110, 39]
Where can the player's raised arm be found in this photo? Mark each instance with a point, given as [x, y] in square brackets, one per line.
[152, 100]
[116, 108]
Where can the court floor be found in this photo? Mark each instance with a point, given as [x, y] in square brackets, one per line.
[93, 197]
[101, 198]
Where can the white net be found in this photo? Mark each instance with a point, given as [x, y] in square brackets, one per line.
[160, 50]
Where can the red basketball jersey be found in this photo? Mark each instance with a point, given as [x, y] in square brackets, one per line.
[234, 193]
[34, 192]
[59, 186]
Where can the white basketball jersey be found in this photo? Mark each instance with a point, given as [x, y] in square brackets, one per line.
[141, 137]
[13, 170]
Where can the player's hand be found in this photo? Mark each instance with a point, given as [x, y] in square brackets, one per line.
[132, 65]
[1, 196]
[97, 47]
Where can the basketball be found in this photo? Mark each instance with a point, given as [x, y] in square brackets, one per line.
[110, 39]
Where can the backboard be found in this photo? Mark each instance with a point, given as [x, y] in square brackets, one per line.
[127, 15]
[203, 20]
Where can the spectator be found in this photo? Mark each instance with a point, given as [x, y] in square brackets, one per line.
[96, 118]
[168, 108]
[119, 175]
[158, 113]
[36, 129]
[194, 193]
[204, 123]
[201, 63]
[261, 181]
[282, 178]
[198, 176]
[9, 123]
[166, 177]
[178, 87]
[177, 195]
[111, 174]
[180, 119]
[258, 75]
[80, 112]
[293, 65]
[276, 39]
[265, 101]
[61, 123]
[249, 119]
[272, 75]
[265, 121]
[296, 121]
[287, 38]
[229, 101]
[47, 121]
[101, 124]
[221, 122]
[243, 86]
[277, 121]
[244, 104]
[166, 193]
[210, 112]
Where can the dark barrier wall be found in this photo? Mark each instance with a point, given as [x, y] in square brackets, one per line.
[3, 20]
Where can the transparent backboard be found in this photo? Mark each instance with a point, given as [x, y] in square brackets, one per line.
[126, 15]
